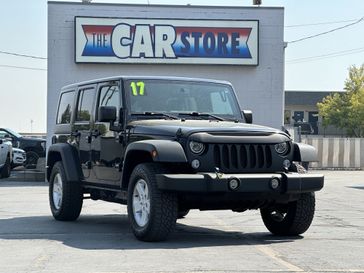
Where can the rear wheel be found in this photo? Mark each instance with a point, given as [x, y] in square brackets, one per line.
[6, 169]
[152, 213]
[293, 218]
[65, 197]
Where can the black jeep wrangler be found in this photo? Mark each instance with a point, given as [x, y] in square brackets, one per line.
[163, 146]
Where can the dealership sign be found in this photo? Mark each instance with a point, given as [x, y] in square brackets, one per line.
[111, 40]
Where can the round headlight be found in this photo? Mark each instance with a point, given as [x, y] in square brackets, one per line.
[281, 148]
[197, 147]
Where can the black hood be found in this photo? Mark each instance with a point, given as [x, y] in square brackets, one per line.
[32, 140]
[170, 127]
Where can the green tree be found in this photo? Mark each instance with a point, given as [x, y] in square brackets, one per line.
[346, 110]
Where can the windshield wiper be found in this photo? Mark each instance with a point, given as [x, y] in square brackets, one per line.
[156, 114]
[197, 114]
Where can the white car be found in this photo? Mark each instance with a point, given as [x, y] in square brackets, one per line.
[6, 157]
[19, 158]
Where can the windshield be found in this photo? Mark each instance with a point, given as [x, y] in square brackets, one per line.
[179, 97]
[14, 133]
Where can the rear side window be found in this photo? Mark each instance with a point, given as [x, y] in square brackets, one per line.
[65, 108]
[84, 104]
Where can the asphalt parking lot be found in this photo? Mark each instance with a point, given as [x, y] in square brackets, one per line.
[212, 241]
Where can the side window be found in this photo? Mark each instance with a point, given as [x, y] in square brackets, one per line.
[65, 108]
[109, 96]
[84, 104]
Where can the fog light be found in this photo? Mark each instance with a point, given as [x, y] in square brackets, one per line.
[234, 184]
[195, 163]
[286, 164]
[274, 183]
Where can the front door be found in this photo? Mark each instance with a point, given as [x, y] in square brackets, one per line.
[107, 150]
[83, 125]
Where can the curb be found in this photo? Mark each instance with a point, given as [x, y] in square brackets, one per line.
[27, 175]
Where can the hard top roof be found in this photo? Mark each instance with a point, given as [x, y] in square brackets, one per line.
[115, 78]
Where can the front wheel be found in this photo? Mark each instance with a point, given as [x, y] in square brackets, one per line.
[293, 218]
[65, 197]
[152, 213]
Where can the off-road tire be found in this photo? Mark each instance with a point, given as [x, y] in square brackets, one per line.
[298, 217]
[6, 169]
[163, 205]
[72, 198]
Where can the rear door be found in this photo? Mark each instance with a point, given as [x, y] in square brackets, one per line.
[107, 150]
[83, 125]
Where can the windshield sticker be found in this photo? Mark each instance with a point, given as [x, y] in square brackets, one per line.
[137, 88]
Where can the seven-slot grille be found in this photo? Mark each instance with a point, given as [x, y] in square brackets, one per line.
[230, 157]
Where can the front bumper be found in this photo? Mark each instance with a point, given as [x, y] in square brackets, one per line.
[19, 160]
[289, 183]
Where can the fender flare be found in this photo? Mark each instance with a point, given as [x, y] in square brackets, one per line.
[70, 160]
[166, 150]
[304, 153]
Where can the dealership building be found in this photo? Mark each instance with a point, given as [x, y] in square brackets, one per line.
[243, 45]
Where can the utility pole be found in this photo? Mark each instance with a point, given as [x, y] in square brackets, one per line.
[31, 126]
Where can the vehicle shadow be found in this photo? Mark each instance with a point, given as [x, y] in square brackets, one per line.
[113, 232]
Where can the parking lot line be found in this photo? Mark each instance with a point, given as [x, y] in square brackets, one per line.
[267, 251]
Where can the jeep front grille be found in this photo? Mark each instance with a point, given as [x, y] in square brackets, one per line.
[242, 157]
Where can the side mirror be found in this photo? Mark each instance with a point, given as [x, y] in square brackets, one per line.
[1, 141]
[248, 115]
[107, 114]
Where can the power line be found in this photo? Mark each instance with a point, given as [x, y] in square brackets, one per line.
[321, 23]
[22, 67]
[22, 55]
[326, 56]
[326, 32]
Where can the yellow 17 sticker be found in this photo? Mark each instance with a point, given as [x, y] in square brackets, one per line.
[137, 88]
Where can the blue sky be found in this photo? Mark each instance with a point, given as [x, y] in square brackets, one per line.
[23, 29]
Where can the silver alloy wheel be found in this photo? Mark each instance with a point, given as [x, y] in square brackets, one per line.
[141, 203]
[57, 191]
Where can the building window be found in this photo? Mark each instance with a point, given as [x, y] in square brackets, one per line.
[298, 116]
